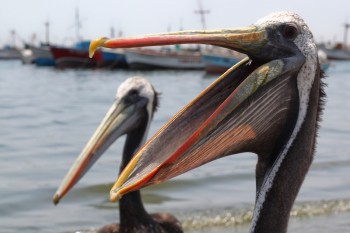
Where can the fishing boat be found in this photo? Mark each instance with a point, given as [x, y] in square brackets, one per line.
[148, 59]
[42, 55]
[10, 53]
[218, 60]
[337, 52]
[39, 55]
[112, 59]
[78, 57]
[71, 58]
[75, 57]
[323, 59]
[27, 55]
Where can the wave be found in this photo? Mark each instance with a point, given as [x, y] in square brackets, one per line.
[227, 217]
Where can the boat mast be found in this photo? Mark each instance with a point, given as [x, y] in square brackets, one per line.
[202, 14]
[47, 32]
[77, 24]
[13, 38]
[112, 32]
[347, 26]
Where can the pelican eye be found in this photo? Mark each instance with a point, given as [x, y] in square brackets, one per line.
[132, 96]
[133, 92]
[290, 31]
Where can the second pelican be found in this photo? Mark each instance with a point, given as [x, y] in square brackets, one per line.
[131, 114]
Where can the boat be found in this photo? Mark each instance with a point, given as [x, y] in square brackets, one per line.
[112, 59]
[10, 53]
[218, 60]
[41, 56]
[149, 59]
[26, 55]
[71, 58]
[323, 59]
[78, 57]
[337, 52]
[74, 57]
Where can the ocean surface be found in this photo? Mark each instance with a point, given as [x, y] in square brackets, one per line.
[47, 116]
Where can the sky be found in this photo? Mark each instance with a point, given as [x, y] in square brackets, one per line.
[136, 17]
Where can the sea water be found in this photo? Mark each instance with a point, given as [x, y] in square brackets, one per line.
[47, 116]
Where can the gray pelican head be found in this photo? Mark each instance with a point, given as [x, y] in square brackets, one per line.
[268, 104]
[132, 110]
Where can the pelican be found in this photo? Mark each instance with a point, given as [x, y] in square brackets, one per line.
[269, 104]
[131, 114]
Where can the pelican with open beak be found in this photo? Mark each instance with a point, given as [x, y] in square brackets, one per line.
[268, 104]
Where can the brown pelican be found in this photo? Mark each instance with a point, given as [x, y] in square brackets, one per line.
[270, 104]
[131, 114]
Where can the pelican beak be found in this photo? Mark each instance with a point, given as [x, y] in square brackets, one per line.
[122, 116]
[228, 117]
[240, 39]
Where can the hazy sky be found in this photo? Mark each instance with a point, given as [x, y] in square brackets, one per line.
[27, 17]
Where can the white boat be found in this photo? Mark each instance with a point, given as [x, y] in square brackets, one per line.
[9, 53]
[217, 60]
[338, 52]
[27, 56]
[40, 56]
[323, 59]
[147, 59]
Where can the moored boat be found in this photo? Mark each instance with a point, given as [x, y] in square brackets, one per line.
[112, 59]
[76, 57]
[71, 58]
[148, 59]
[41, 56]
[323, 59]
[338, 52]
[26, 55]
[10, 53]
[219, 62]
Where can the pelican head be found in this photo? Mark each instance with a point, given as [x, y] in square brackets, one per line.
[132, 109]
[268, 104]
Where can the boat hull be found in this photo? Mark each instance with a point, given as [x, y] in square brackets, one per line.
[215, 64]
[152, 59]
[10, 53]
[336, 53]
[42, 56]
[72, 58]
[112, 59]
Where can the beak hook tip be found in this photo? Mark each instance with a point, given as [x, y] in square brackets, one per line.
[114, 196]
[95, 44]
[56, 199]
